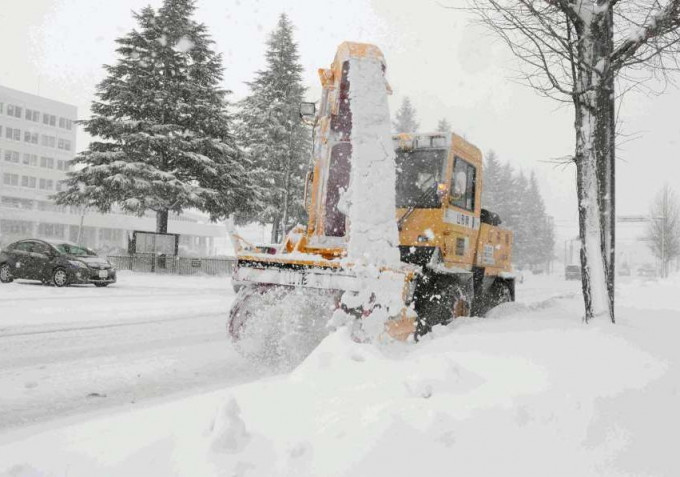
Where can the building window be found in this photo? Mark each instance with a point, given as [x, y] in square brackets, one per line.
[28, 181]
[46, 184]
[2, 108]
[51, 230]
[65, 123]
[32, 115]
[48, 141]
[30, 160]
[47, 162]
[31, 137]
[15, 227]
[61, 165]
[13, 134]
[49, 119]
[16, 203]
[14, 110]
[12, 156]
[10, 179]
[64, 144]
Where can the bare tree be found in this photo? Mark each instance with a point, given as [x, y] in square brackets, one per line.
[574, 51]
[663, 231]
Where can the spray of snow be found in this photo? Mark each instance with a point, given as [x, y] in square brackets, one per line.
[278, 327]
[373, 230]
[370, 200]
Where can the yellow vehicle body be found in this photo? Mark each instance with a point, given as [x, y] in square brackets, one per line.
[453, 253]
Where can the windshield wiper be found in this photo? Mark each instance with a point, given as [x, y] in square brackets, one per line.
[419, 200]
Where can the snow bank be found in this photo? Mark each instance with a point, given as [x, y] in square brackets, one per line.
[532, 392]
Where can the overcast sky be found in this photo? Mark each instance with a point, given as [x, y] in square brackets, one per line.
[449, 67]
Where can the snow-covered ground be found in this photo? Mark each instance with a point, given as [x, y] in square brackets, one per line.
[529, 391]
[64, 351]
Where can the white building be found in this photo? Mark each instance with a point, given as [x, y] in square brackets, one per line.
[37, 143]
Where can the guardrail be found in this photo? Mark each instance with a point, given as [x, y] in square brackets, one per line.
[173, 265]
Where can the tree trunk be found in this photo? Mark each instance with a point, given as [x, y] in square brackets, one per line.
[162, 221]
[593, 149]
[274, 238]
[594, 281]
[605, 147]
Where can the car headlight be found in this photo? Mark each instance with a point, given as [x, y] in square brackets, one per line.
[77, 264]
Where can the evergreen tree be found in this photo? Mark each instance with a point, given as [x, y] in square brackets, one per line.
[163, 133]
[492, 183]
[405, 119]
[443, 126]
[517, 200]
[541, 238]
[273, 135]
[520, 220]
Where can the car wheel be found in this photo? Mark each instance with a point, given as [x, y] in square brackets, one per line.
[60, 278]
[101, 285]
[5, 273]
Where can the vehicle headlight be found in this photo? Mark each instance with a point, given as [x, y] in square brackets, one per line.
[77, 264]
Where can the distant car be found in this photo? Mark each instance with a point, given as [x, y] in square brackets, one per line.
[56, 262]
[623, 270]
[572, 272]
[647, 270]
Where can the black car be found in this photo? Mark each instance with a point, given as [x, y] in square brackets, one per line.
[572, 272]
[58, 263]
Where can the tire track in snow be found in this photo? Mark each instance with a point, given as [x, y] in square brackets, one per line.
[185, 316]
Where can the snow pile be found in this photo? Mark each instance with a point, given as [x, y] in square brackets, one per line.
[533, 393]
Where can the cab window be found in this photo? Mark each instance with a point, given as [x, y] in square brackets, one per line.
[463, 185]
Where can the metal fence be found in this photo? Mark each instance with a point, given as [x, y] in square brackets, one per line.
[173, 265]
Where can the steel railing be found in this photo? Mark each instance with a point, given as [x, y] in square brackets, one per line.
[173, 265]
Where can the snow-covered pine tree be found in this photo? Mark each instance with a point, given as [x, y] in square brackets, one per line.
[507, 205]
[541, 236]
[405, 119]
[520, 205]
[492, 183]
[272, 134]
[162, 132]
[520, 221]
[443, 126]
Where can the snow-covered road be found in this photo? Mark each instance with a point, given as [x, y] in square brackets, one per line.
[81, 350]
[84, 349]
[530, 385]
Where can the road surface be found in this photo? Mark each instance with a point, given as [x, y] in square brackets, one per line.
[80, 349]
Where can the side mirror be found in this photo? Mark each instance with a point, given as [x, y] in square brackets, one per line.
[307, 110]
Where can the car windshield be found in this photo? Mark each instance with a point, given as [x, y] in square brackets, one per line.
[74, 250]
[418, 173]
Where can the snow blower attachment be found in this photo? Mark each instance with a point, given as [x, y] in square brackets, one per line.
[401, 262]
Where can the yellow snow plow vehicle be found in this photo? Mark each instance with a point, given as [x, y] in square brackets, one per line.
[421, 199]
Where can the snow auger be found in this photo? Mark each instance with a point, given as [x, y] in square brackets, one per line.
[417, 258]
